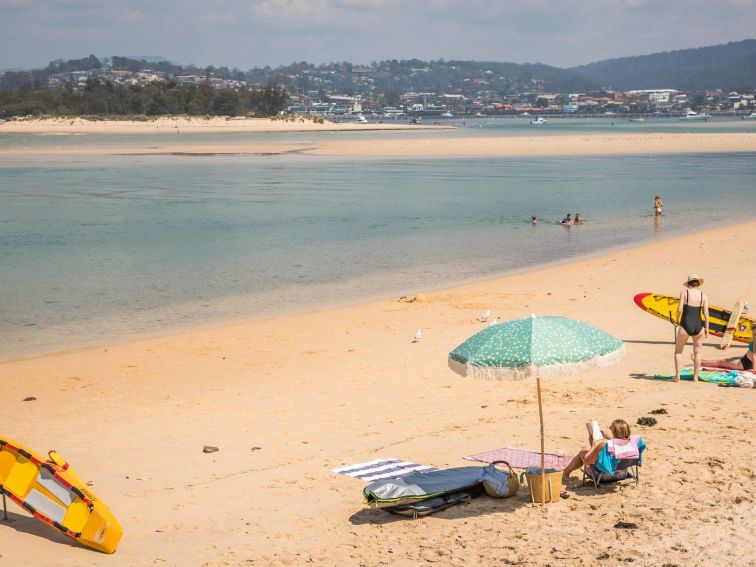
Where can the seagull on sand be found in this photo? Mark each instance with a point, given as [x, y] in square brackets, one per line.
[494, 321]
[418, 336]
[486, 315]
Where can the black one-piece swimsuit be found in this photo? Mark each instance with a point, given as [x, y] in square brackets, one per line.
[691, 318]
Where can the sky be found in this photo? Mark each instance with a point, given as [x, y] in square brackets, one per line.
[249, 33]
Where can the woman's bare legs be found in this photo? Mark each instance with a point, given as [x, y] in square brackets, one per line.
[726, 363]
[680, 340]
[575, 463]
[697, 344]
[586, 456]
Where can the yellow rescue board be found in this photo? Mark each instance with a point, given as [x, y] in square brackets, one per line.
[54, 494]
[665, 307]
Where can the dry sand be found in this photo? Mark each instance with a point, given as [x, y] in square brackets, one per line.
[288, 399]
[189, 125]
[443, 145]
[440, 144]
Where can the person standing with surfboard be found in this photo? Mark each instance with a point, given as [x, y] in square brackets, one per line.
[692, 306]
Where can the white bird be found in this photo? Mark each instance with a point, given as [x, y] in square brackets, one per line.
[418, 336]
[494, 321]
[486, 315]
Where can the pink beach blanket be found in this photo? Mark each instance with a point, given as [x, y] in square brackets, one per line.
[522, 458]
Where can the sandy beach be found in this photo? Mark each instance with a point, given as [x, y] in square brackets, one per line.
[288, 399]
[439, 145]
[591, 144]
[194, 125]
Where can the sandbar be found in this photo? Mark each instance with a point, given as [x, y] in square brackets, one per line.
[434, 145]
[196, 125]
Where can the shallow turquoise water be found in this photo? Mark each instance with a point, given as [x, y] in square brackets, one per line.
[95, 249]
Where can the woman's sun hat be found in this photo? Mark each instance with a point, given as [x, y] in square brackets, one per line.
[693, 278]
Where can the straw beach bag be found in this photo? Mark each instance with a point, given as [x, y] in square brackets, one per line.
[498, 483]
[546, 489]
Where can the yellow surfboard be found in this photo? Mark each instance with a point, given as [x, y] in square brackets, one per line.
[54, 494]
[665, 307]
[732, 325]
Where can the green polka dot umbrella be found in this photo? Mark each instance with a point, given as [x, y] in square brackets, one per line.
[535, 347]
[540, 347]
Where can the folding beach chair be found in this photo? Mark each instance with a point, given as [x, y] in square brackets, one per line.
[626, 469]
[618, 460]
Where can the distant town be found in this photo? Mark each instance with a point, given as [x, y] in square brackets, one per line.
[651, 102]
[326, 102]
[393, 90]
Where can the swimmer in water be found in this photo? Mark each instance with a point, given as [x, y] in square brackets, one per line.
[658, 205]
[534, 220]
[567, 219]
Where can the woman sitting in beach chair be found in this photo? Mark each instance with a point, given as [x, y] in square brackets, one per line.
[609, 456]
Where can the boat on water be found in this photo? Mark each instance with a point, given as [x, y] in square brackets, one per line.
[361, 119]
[427, 110]
[393, 113]
[751, 116]
[447, 114]
[539, 120]
[637, 120]
[693, 116]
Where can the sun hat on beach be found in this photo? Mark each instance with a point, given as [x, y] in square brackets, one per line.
[693, 278]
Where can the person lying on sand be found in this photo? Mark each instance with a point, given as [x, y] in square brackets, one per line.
[743, 363]
[587, 456]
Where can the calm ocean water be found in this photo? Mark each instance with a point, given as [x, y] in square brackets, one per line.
[95, 249]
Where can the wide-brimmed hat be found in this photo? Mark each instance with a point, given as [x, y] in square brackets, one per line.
[693, 278]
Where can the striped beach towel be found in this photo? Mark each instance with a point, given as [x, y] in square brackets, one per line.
[522, 458]
[382, 468]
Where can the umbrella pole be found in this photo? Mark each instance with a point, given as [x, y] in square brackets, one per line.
[540, 415]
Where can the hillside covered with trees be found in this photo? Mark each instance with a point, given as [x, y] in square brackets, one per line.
[125, 86]
[156, 99]
[729, 66]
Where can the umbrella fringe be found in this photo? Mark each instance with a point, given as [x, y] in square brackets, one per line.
[531, 370]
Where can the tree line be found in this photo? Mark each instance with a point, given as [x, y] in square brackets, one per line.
[102, 98]
[37, 78]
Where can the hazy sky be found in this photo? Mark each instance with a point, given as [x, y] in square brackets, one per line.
[271, 32]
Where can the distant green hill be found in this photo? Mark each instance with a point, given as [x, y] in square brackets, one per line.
[151, 58]
[728, 66]
[437, 76]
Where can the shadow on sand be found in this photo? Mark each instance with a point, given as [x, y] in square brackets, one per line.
[644, 376]
[484, 505]
[672, 343]
[478, 506]
[641, 342]
[29, 525]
